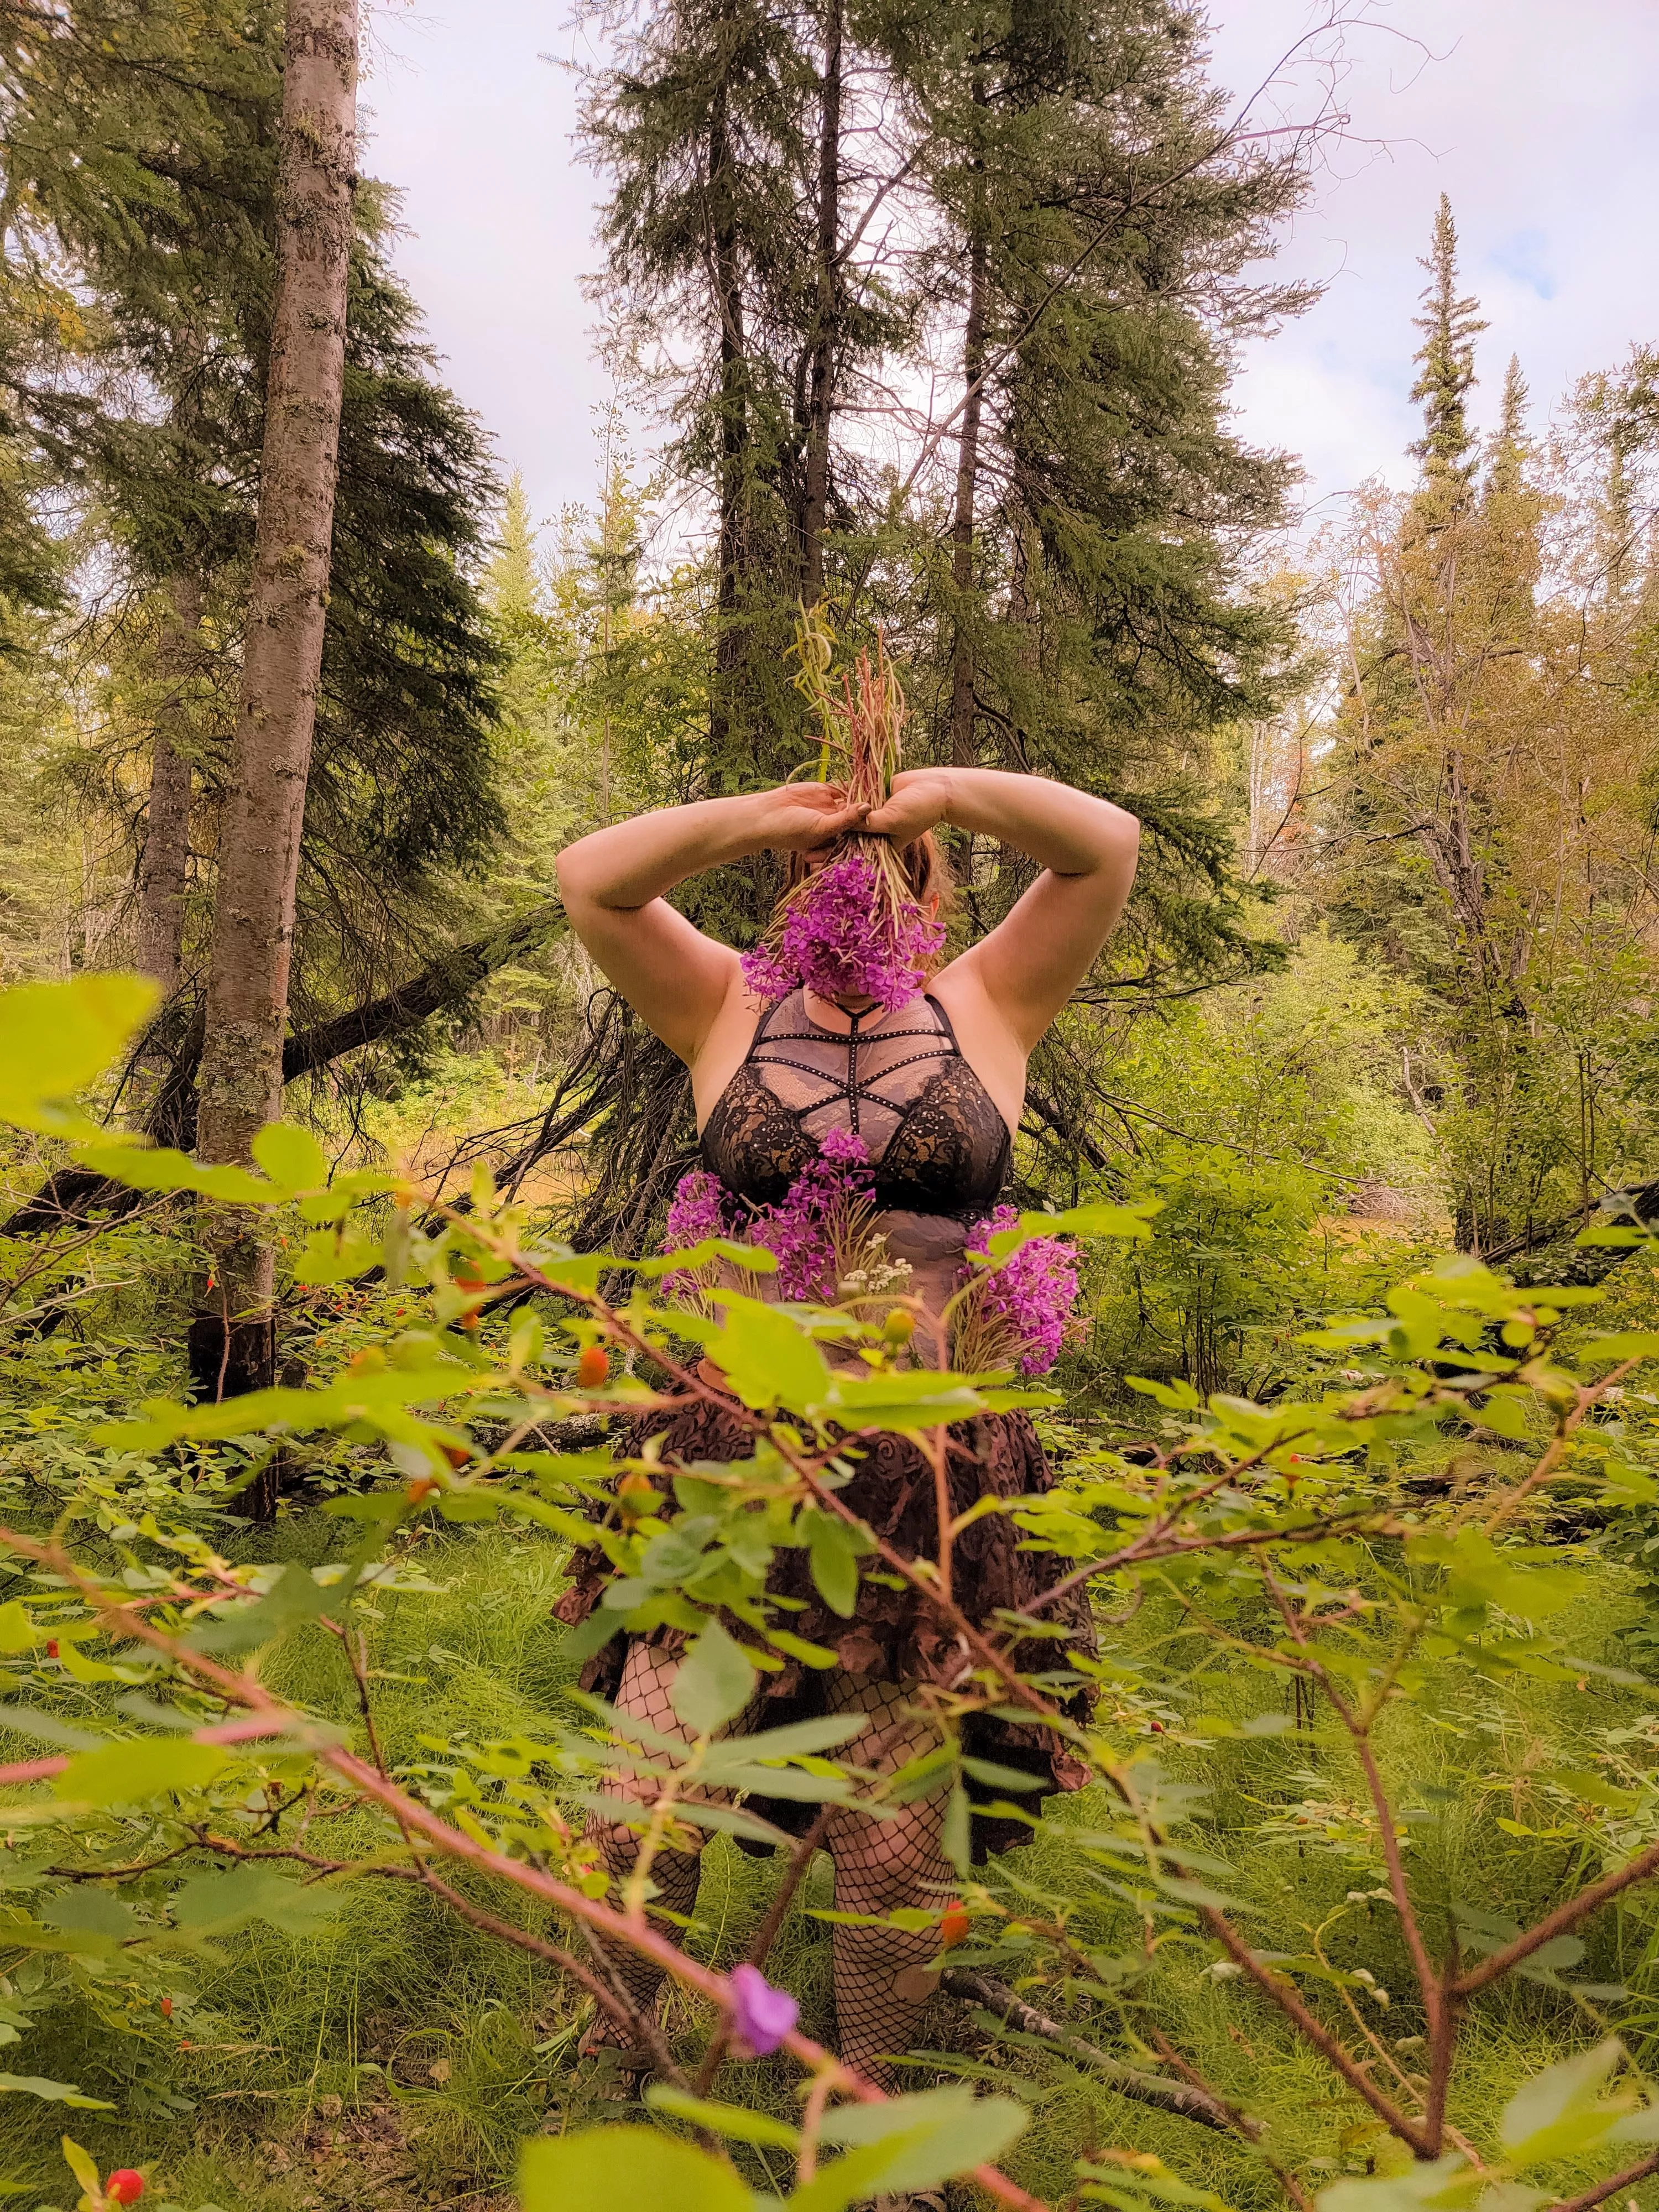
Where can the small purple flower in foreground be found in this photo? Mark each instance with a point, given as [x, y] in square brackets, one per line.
[760, 2015]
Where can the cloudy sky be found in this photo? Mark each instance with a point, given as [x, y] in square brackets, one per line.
[1536, 116]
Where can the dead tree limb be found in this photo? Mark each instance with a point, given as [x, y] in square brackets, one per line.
[70, 1195]
[1004, 2010]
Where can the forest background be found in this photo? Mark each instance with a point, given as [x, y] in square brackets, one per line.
[934, 313]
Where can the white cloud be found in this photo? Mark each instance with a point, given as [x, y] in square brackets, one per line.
[1534, 115]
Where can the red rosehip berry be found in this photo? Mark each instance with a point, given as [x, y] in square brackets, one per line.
[124, 2187]
[953, 1929]
[167, 2008]
[52, 1649]
[593, 1367]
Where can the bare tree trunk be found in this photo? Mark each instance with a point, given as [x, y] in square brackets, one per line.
[164, 864]
[961, 521]
[731, 645]
[820, 402]
[233, 1339]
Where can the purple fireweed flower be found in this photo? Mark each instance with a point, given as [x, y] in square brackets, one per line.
[760, 2015]
[838, 939]
[701, 1206]
[1025, 1303]
[807, 1233]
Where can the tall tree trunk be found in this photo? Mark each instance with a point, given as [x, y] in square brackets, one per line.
[731, 646]
[164, 864]
[233, 1339]
[961, 521]
[820, 372]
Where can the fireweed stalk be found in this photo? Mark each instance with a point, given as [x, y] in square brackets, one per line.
[853, 929]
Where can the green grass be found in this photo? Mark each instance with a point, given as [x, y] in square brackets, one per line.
[401, 2056]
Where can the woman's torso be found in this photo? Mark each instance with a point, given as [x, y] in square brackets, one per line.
[938, 1142]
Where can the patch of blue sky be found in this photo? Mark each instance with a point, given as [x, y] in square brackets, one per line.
[1523, 257]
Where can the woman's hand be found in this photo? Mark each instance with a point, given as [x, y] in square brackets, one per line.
[797, 817]
[920, 798]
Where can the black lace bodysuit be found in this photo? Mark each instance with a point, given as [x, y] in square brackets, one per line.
[897, 1079]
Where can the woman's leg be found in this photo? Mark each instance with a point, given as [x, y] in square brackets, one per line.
[880, 1973]
[643, 1694]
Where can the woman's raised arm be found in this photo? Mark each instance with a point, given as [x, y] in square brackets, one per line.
[614, 885]
[1032, 962]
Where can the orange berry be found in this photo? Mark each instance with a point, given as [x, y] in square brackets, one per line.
[457, 1455]
[421, 1489]
[954, 1927]
[593, 1367]
[638, 1494]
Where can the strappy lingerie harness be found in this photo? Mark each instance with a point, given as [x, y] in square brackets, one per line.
[936, 1139]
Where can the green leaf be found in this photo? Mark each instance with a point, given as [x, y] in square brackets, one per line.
[289, 1156]
[1558, 2112]
[56, 1038]
[17, 1631]
[149, 1767]
[853, 2180]
[914, 1400]
[1101, 1220]
[798, 1647]
[91, 1911]
[714, 1682]
[615, 2169]
[767, 1358]
[55, 2092]
[1628, 1344]
[940, 2133]
[734, 2120]
[1445, 2185]
[956, 1838]
[243, 1627]
[213, 1903]
[1179, 1397]
[833, 1555]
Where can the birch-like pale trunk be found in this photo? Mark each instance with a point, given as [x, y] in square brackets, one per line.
[232, 1340]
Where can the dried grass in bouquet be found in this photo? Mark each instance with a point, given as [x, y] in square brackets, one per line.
[854, 928]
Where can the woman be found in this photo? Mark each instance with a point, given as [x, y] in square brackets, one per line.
[935, 1089]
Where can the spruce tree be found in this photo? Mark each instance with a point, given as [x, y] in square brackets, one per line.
[1451, 323]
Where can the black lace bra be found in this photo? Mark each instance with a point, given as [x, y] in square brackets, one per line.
[896, 1080]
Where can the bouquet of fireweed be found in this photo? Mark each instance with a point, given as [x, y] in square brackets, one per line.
[823, 1234]
[1016, 1311]
[854, 928]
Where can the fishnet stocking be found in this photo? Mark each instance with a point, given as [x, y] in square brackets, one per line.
[880, 1977]
[643, 1694]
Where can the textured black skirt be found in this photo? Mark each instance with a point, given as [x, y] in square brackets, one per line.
[895, 1635]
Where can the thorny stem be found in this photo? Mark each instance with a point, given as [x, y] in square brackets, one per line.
[806, 2161]
[122, 1623]
[1359, 1728]
[766, 1935]
[1603, 2190]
